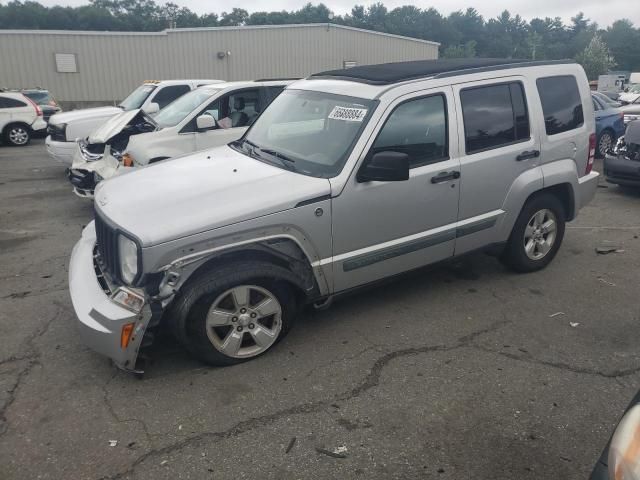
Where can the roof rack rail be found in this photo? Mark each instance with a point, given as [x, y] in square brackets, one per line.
[277, 79]
[389, 73]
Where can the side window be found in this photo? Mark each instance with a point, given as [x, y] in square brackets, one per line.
[494, 116]
[212, 109]
[561, 103]
[418, 128]
[6, 102]
[244, 107]
[273, 92]
[168, 94]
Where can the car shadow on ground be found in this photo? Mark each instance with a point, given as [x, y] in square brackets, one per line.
[166, 355]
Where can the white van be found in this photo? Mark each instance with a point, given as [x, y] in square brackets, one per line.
[64, 128]
[209, 116]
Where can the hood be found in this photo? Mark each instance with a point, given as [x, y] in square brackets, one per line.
[200, 192]
[628, 97]
[84, 114]
[115, 125]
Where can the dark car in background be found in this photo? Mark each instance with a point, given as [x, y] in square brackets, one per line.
[45, 100]
[609, 124]
[622, 163]
[620, 459]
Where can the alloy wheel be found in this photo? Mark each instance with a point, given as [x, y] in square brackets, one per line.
[18, 135]
[244, 321]
[605, 143]
[540, 234]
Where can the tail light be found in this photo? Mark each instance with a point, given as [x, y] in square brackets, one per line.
[592, 153]
[35, 105]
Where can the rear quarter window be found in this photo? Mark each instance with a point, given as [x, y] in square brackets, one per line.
[494, 115]
[561, 103]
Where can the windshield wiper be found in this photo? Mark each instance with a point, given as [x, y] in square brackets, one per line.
[256, 151]
[276, 154]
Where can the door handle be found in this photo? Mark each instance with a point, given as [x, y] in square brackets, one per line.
[445, 176]
[527, 155]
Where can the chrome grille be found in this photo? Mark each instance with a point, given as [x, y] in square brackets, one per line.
[107, 244]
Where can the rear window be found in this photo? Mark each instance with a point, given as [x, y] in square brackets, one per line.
[561, 103]
[494, 116]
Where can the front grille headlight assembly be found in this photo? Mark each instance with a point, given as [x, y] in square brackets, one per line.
[129, 261]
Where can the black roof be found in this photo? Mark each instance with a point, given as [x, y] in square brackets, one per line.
[387, 73]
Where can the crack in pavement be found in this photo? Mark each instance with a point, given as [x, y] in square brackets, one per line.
[614, 374]
[370, 381]
[116, 417]
[33, 360]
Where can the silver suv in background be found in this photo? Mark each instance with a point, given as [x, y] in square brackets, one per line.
[347, 178]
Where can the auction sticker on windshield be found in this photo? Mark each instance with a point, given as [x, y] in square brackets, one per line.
[348, 114]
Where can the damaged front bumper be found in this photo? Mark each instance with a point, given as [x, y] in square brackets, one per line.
[84, 175]
[83, 181]
[622, 171]
[101, 321]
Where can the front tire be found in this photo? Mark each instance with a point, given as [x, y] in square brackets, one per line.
[17, 135]
[234, 314]
[536, 235]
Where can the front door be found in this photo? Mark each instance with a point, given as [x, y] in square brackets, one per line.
[385, 228]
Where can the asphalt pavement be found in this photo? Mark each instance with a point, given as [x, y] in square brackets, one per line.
[465, 370]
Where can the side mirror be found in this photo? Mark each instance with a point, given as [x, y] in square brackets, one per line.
[152, 108]
[205, 122]
[385, 167]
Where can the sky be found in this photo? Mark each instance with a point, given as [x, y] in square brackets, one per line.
[604, 12]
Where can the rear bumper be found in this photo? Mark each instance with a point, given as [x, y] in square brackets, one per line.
[100, 320]
[587, 186]
[622, 171]
[39, 125]
[60, 151]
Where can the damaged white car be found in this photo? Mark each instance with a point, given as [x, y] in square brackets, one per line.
[153, 95]
[207, 117]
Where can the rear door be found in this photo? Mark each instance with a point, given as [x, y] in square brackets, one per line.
[498, 144]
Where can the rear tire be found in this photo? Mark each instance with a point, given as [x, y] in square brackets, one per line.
[17, 135]
[234, 313]
[536, 235]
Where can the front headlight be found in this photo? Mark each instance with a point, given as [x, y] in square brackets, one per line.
[128, 251]
[87, 154]
[624, 451]
[629, 118]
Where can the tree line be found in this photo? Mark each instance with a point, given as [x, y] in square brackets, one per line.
[461, 33]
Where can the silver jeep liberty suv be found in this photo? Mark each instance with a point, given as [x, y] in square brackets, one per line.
[348, 177]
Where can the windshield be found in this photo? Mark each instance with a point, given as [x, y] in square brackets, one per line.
[635, 88]
[603, 98]
[176, 111]
[308, 132]
[137, 97]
